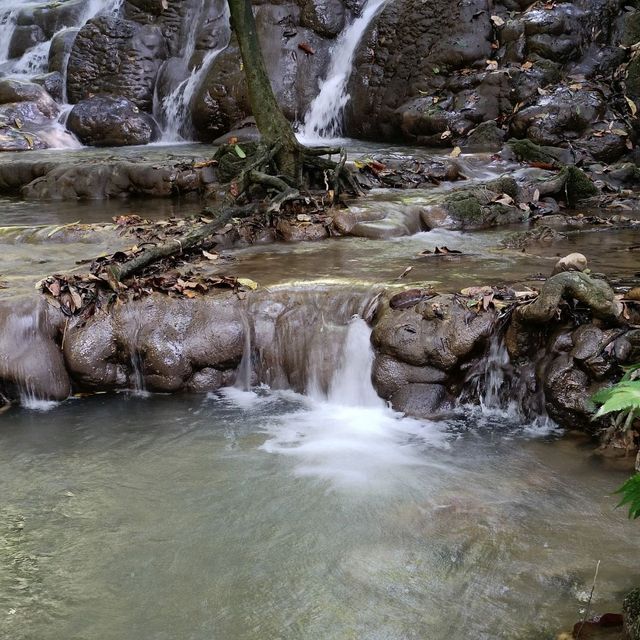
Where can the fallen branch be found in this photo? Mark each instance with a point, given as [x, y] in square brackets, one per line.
[114, 274]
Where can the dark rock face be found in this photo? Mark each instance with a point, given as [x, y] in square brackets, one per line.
[432, 81]
[221, 101]
[412, 50]
[563, 115]
[25, 37]
[105, 121]
[420, 351]
[52, 83]
[325, 17]
[116, 57]
[60, 49]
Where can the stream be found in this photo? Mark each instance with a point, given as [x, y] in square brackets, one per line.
[259, 513]
[263, 515]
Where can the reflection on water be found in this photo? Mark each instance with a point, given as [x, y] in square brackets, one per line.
[256, 516]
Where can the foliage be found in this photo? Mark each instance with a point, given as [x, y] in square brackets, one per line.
[630, 491]
[624, 398]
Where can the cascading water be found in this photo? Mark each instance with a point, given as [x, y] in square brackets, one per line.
[243, 378]
[351, 384]
[324, 118]
[8, 15]
[34, 61]
[175, 107]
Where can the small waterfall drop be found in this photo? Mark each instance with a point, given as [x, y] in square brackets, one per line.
[351, 384]
[245, 369]
[175, 107]
[8, 16]
[324, 118]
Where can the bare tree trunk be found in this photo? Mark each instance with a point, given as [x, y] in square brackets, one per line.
[272, 124]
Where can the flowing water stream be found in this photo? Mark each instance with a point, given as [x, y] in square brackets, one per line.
[324, 118]
[264, 515]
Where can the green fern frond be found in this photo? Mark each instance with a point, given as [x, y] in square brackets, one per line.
[630, 491]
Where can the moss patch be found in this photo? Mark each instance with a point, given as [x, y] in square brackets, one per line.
[504, 185]
[527, 151]
[578, 186]
[465, 207]
[631, 610]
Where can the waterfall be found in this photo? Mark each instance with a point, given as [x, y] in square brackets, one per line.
[175, 107]
[243, 378]
[351, 384]
[34, 61]
[324, 118]
[7, 26]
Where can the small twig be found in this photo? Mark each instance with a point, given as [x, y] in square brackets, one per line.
[588, 609]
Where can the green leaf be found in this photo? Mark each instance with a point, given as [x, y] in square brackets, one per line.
[625, 396]
[631, 372]
[239, 152]
[630, 491]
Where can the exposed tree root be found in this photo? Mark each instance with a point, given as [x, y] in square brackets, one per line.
[573, 285]
[596, 294]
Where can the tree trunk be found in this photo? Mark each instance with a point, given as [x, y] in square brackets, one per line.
[272, 124]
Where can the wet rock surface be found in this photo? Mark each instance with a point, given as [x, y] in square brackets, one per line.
[105, 121]
[115, 57]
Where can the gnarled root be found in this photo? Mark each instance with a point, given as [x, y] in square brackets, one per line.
[573, 285]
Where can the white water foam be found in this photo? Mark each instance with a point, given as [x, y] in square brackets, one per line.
[324, 118]
[348, 437]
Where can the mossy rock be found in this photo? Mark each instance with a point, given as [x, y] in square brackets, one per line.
[631, 611]
[578, 185]
[465, 207]
[527, 151]
[506, 185]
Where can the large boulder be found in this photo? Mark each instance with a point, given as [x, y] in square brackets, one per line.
[106, 121]
[14, 91]
[117, 57]
[439, 332]
[408, 52]
[558, 117]
[24, 38]
[161, 343]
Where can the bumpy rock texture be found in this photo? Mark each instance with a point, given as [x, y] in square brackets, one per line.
[105, 121]
[473, 73]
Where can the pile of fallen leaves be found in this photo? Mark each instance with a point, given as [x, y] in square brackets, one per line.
[475, 298]
[407, 174]
[83, 295]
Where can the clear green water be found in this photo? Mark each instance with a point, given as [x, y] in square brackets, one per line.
[278, 517]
